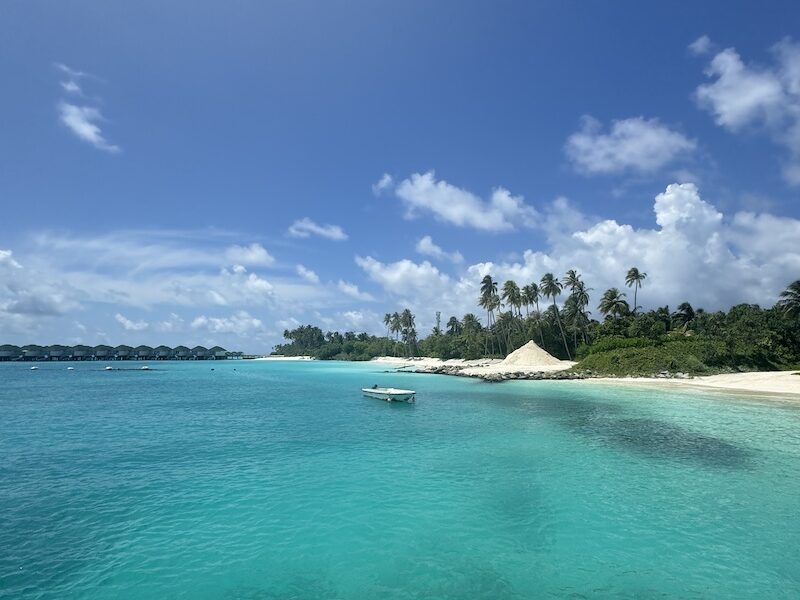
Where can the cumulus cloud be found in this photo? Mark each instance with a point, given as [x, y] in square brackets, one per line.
[129, 325]
[405, 277]
[427, 247]
[351, 289]
[240, 323]
[252, 255]
[694, 253]
[305, 227]
[749, 97]
[422, 193]
[307, 274]
[635, 144]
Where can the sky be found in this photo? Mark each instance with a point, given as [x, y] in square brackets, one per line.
[214, 173]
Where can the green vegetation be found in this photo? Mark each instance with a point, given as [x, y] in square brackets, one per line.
[627, 342]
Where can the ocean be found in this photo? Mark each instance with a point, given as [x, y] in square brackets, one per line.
[268, 480]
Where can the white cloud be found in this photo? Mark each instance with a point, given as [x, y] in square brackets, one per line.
[307, 274]
[351, 289]
[7, 260]
[422, 193]
[83, 122]
[358, 321]
[290, 323]
[129, 325]
[71, 87]
[635, 144]
[693, 254]
[757, 98]
[251, 255]
[700, 46]
[405, 277]
[171, 324]
[240, 323]
[427, 247]
[383, 184]
[305, 227]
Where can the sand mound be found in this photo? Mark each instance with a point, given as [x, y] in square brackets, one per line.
[530, 355]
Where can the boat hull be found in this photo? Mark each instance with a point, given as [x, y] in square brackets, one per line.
[390, 395]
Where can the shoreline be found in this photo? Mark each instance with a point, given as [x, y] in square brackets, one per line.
[783, 384]
[284, 358]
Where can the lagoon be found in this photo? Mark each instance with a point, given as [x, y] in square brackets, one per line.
[259, 479]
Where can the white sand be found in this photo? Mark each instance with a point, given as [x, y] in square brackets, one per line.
[760, 382]
[531, 355]
[783, 383]
[530, 358]
[426, 362]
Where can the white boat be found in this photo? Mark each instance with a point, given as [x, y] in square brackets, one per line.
[34, 368]
[145, 368]
[390, 394]
[109, 368]
[70, 368]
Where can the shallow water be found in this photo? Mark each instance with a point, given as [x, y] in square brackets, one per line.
[264, 480]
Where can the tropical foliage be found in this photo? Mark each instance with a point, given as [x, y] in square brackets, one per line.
[627, 340]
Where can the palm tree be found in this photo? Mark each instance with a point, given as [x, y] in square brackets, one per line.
[572, 280]
[634, 279]
[395, 325]
[551, 288]
[487, 299]
[453, 326]
[613, 303]
[408, 329]
[531, 296]
[684, 315]
[512, 296]
[470, 323]
[790, 300]
[580, 294]
[387, 320]
[488, 290]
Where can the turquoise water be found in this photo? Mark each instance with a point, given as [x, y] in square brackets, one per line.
[265, 480]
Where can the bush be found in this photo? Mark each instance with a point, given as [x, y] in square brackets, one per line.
[694, 356]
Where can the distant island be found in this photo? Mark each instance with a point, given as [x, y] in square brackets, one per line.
[10, 352]
[627, 342]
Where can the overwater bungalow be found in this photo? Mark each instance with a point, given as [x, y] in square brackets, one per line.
[103, 352]
[82, 353]
[9, 352]
[58, 352]
[34, 352]
[143, 353]
[218, 353]
[123, 352]
[163, 353]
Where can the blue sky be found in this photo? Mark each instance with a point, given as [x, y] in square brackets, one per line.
[213, 173]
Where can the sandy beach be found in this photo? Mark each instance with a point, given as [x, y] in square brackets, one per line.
[784, 383]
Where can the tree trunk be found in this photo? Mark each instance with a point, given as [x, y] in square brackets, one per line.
[561, 329]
